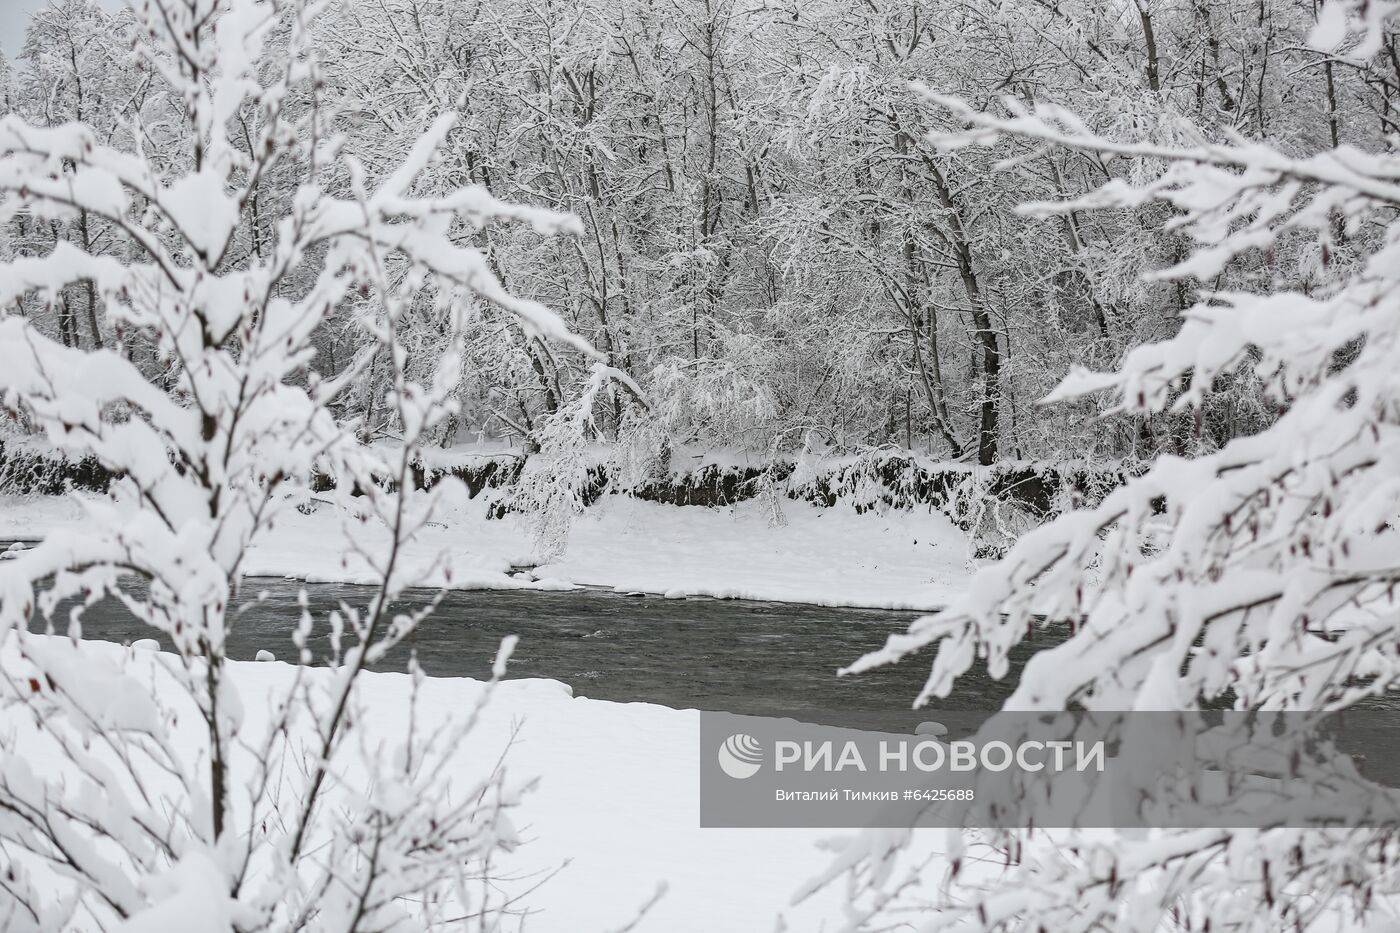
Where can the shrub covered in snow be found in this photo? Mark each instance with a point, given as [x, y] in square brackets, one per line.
[140, 795]
[1261, 574]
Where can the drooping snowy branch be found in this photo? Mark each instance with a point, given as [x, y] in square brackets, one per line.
[1261, 573]
[1259, 543]
[211, 437]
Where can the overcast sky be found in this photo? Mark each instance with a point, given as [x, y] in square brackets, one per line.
[14, 16]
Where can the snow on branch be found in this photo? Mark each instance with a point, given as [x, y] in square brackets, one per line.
[239, 236]
[1261, 574]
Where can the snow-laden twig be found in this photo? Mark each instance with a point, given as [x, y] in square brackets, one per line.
[166, 795]
[1263, 571]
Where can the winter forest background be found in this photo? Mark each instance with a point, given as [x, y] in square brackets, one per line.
[771, 245]
[1076, 325]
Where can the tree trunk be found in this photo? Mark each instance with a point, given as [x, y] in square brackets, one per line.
[986, 351]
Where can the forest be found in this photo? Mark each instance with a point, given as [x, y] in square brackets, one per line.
[769, 245]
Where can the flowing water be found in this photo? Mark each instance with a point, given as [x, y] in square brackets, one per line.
[742, 656]
[735, 655]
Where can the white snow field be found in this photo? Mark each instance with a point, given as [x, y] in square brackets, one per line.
[822, 556]
[616, 805]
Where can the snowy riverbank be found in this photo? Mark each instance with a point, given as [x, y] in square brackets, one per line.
[823, 556]
[615, 812]
[616, 809]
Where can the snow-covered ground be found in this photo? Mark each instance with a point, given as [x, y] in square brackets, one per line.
[615, 811]
[824, 556]
[618, 793]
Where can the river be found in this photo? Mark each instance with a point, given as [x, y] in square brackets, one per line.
[737, 655]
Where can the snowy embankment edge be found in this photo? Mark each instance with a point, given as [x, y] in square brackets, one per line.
[822, 556]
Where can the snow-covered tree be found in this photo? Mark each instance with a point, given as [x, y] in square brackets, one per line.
[167, 802]
[78, 68]
[758, 199]
[1261, 574]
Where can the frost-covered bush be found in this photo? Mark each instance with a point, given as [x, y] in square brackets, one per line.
[143, 792]
[557, 480]
[29, 469]
[1261, 574]
[716, 399]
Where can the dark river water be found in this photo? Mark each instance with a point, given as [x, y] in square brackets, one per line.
[741, 656]
[735, 655]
